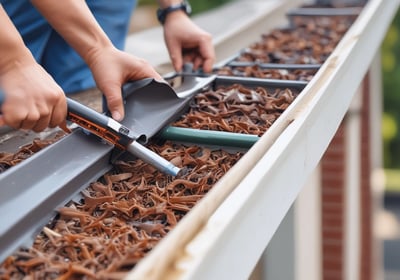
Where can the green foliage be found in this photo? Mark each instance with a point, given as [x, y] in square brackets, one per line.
[392, 178]
[390, 54]
[198, 6]
[147, 2]
[389, 132]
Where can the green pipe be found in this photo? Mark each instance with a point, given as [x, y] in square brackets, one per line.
[210, 137]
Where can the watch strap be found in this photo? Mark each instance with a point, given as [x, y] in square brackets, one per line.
[162, 13]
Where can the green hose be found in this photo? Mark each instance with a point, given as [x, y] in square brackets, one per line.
[209, 137]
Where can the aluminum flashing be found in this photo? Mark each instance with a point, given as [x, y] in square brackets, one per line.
[348, 11]
[152, 105]
[234, 62]
[31, 191]
[214, 81]
[259, 82]
[274, 65]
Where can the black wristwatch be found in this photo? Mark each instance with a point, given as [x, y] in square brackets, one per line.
[184, 6]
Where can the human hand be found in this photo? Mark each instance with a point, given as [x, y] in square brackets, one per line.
[32, 100]
[112, 68]
[186, 42]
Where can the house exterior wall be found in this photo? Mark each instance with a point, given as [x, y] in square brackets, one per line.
[332, 207]
[346, 241]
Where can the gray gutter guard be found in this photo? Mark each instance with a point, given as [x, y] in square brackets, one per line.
[31, 191]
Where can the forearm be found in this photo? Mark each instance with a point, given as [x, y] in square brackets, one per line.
[32, 99]
[13, 50]
[76, 24]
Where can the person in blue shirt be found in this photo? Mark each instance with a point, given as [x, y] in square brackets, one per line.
[49, 48]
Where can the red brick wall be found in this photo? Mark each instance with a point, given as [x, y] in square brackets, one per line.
[333, 171]
[332, 182]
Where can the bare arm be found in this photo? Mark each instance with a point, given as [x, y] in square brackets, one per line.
[185, 41]
[31, 95]
[110, 67]
[77, 25]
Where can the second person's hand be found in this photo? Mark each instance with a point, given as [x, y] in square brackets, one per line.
[186, 42]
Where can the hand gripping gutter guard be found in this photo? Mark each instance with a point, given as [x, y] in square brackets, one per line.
[117, 134]
[113, 132]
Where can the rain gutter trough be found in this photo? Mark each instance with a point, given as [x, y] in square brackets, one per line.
[38, 186]
[225, 234]
[249, 202]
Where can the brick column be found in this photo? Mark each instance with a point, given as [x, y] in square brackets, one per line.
[332, 196]
[333, 184]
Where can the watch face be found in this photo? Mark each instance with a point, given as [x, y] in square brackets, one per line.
[187, 7]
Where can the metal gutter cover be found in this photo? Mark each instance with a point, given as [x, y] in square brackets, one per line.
[150, 105]
[31, 191]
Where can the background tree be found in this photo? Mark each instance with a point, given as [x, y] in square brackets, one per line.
[391, 88]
